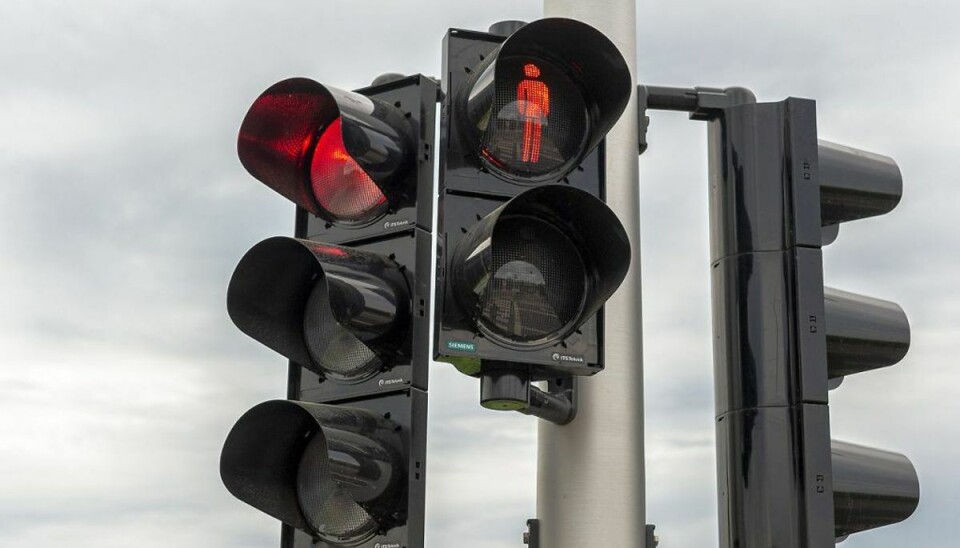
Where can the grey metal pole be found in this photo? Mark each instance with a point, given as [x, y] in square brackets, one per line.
[590, 480]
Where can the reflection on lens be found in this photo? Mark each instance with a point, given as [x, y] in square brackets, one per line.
[536, 283]
[329, 510]
[334, 348]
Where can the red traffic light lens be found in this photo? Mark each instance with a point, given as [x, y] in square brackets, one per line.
[340, 155]
[538, 119]
[340, 185]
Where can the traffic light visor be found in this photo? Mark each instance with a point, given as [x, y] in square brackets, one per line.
[337, 311]
[871, 488]
[856, 184]
[863, 333]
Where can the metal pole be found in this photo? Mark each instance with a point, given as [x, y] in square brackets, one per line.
[590, 481]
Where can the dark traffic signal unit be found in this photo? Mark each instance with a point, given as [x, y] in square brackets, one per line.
[528, 251]
[342, 461]
[782, 339]
[534, 253]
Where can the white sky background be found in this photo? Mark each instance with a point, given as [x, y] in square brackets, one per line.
[124, 210]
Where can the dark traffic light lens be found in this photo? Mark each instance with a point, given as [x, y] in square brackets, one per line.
[340, 185]
[325, 505]
[335, 349]
[535, 269]
[537, 122]
[536, 285]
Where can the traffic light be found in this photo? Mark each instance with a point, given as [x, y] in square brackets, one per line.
[528, 250]
[341, 462]
[782, 339]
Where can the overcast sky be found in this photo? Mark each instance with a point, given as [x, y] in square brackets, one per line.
[124, 211]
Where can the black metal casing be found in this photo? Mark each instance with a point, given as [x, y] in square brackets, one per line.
[407, 409]
[770, 376]
[780, 335]
[394, 306]
[469, 191]
[404, 236]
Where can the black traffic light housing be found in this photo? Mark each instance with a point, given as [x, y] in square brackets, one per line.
[571, 70]
[782, 339]
[348, 474]
[367, 272]
[353, 315]
[346, 301]
[378, 139]
[588, 262]
[528, 251]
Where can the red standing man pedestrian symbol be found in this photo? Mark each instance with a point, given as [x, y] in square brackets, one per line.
[533, 102]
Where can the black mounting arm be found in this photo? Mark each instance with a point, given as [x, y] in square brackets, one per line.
[700, 102]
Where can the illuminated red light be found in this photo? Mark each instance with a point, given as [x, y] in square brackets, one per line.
[340, 185]
[533, 102]
[330, 250]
